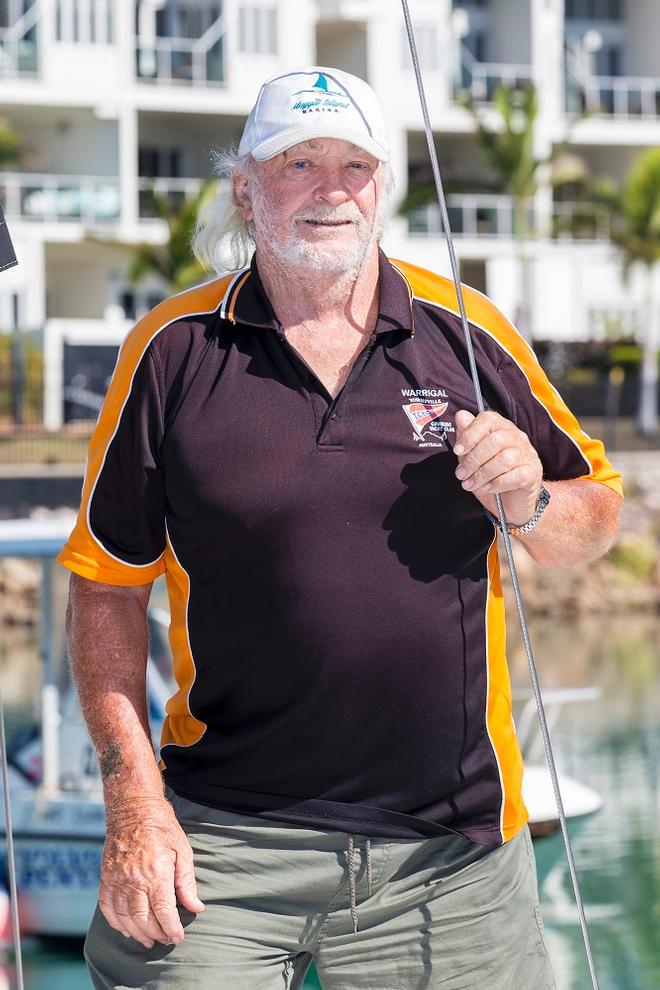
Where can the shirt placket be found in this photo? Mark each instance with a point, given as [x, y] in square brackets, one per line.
[329, 412]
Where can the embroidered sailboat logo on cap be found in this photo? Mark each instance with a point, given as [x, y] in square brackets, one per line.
[323, 99]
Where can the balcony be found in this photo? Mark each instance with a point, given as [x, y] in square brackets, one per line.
[480, 79]
[187, 61]
[175, 191]
[575, 221]
[19, 51]
[470, 215]
[617, 96]
[30, 196]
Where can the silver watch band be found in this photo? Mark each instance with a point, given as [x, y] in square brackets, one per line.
[541, 505]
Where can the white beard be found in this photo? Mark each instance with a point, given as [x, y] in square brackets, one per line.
[296, 253]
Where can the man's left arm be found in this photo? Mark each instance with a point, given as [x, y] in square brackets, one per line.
[495, 457]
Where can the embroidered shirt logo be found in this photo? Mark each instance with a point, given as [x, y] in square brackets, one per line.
[425, 414]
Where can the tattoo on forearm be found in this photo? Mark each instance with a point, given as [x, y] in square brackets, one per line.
[110, 761]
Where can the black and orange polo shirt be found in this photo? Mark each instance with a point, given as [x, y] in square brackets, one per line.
[337, 621]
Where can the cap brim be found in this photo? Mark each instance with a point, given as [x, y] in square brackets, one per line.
[295, 135]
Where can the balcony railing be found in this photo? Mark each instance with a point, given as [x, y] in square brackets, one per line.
[19, 53]
[481, 79]
[191, 61]
[176, 191]
[59, 197]
[470, 215]
[581, 221]
[619, 96]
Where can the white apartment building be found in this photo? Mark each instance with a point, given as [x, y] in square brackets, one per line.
[109, 94]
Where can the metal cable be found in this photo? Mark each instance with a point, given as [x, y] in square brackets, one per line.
[500, 508]
[11, 863]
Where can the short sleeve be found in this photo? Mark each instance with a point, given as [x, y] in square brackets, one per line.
[119, 535]
[565, 450]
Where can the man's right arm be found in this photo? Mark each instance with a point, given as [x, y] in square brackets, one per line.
[147, 860]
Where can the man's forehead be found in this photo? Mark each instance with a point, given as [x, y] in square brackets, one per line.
[324, 144]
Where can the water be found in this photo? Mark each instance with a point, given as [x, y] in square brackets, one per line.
[613, 745]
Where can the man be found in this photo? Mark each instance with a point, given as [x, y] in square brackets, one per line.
[296, 447]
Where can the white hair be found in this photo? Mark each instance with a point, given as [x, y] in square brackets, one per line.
[223, 240]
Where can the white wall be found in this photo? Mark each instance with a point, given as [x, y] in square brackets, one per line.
[67, 140]
[342, 47]
[511, 38]
[642, 38]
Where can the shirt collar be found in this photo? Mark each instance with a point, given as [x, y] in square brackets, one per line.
[246, 300]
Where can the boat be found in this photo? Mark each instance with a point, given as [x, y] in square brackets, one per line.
[55, 788]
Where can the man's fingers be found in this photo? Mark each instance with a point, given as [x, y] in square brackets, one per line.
[128, 922]
[163, 905]
[107, 908]
[185, 883]
[508, 482]
[500, 442]
[471, 429]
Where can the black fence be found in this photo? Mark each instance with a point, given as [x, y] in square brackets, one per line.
[598, 394]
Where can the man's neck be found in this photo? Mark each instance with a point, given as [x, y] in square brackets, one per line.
[317, 299]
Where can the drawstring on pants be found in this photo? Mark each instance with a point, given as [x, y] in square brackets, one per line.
[351, 877]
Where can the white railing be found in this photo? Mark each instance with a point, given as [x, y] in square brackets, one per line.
[481, 79]
[620, 96]
[470, 215]
[91, 198]
[19, 54]
[581, 221]
[176, 191]
[195, 61]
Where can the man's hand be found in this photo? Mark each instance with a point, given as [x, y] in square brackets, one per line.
[147, 864]
[495, 457]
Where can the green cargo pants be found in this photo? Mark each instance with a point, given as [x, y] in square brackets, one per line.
[279, 895]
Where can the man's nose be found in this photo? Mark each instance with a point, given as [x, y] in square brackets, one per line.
[331, 187]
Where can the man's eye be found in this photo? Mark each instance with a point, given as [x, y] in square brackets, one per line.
[299, 164]
[360, 166]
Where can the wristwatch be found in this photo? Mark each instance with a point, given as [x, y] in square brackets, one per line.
[541, 503]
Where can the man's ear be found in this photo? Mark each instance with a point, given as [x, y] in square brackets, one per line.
[241, 197]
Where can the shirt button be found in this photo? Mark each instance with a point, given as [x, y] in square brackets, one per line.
[312, 378]
[333, 415]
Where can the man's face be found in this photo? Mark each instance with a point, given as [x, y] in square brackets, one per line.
[315, 206]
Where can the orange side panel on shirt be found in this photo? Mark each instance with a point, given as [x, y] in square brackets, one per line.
[483, 313]
[82, 553]
[180, 726]
[498, 705]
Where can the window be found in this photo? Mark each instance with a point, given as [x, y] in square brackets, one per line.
[155, 163]
[475, 43]
[257, 30]
[594, 10]
[86, 21]
[427, 47]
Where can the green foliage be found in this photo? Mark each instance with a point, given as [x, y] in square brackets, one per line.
[33, 371]
[174, 261]
[11, 145]
[636, 211]
[635, 554]
[510, 151]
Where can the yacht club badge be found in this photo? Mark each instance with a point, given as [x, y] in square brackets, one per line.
[425, 410]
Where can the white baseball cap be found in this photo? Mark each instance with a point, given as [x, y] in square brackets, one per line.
[314, 102]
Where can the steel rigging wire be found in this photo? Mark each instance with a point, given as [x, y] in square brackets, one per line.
[11, 862]
[500, 508]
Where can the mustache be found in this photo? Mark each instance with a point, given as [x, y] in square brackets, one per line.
[339, 214]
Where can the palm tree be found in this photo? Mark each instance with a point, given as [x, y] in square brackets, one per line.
[509, 151]
[12, 149]
[635, 229]
[174, 261]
